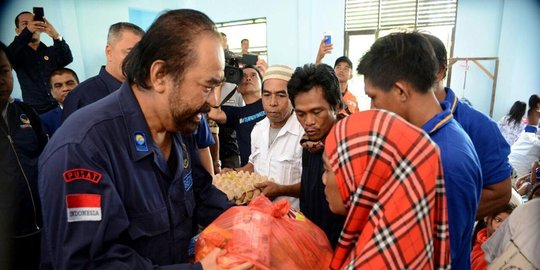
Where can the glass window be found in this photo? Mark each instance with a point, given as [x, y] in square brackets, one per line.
[367, 20]
[252, 29]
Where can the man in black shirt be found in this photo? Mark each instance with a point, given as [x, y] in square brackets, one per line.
[34, 61]
[315, 94]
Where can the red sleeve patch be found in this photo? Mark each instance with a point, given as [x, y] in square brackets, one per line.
[83, 207]
[83, 200]
[82, 174]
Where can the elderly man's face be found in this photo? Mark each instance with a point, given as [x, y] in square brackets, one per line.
[276, 102]
[118, 50]
[195, 93]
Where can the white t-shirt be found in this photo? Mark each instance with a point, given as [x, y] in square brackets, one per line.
[281, 160]
[524, 152]
[520, 228]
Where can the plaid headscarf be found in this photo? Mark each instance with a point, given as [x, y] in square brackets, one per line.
[390, 178]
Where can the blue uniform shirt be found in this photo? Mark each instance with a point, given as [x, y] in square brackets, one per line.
[110, 198]
[203, 136]
[51, 121]
[463, 182]
[90, 91]
[491, 147]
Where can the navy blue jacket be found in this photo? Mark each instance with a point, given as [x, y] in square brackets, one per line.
[90, 91]
[112, 201]
[51, 121]
[34, 67]
[21, 143]
[24, 135]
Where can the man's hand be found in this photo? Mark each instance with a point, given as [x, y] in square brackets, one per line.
[226, 170]
[270, 189]
[210, 261]
[49, 29]
[323, 50]
[262, 66]
[313, 147]
[34, 26]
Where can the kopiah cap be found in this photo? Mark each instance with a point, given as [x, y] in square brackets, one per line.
[281, 72]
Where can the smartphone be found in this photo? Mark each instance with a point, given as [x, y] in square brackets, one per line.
[38, 14]
[250, 59]
[328, 37]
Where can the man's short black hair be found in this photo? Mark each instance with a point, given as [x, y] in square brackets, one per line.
[255, 68]
[343, 59]
[396, 57]
[17, 17]
[311, 75]
[533, 101]
[440, 51]
[60, 71]
[170, 38]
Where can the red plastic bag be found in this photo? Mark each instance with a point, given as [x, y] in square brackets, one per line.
[269, 235]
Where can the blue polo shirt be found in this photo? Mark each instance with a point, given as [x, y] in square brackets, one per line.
[110, 198]
[491, 147]
[463, 182]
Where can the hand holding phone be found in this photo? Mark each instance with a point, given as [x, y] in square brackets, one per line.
[328, 38]
[39, 14]
[249, 59]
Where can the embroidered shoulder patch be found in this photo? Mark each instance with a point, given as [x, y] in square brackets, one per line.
[82, 174]
[25, 121]
[83, 207]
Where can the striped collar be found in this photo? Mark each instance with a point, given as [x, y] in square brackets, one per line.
[439, 120]
[452, 99]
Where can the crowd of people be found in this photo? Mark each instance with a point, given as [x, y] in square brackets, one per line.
[116, 171]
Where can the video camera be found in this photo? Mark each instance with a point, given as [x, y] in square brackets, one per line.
[233, 73]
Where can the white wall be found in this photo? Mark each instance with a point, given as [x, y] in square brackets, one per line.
[82, 23]
[294, 28]
[519, 53]
[498, 28]
[492, 28]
